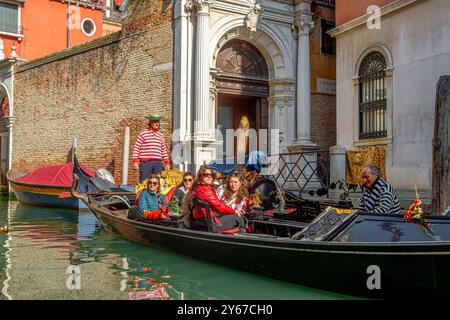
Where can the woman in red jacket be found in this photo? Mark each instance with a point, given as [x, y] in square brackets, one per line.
[223, 216]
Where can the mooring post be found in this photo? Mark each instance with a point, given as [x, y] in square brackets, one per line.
[337, 168]
[126, 148]
[441, 148]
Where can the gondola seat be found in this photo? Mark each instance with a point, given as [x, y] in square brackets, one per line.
[206, 224]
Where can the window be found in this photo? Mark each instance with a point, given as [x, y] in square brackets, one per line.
[372, 97]
[88, 27]
[328, 43]
[9, 18]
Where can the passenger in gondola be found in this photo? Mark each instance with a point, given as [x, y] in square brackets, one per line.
[152, 202]
[223, 216]
[379, 197]
[183, 188]
[235, 192]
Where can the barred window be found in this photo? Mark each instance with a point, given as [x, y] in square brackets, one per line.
[9, 17]
[373, 97]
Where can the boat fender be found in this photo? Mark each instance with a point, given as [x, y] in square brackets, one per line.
[104, 174]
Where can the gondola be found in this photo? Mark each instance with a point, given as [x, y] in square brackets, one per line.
[360, 254]
[50, 186]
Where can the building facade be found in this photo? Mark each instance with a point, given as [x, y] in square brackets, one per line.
[204, 65]
[389, 60]
[32, 29]
[39, 27]
[269, 62]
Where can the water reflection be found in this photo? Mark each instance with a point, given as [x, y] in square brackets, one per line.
[62, 254]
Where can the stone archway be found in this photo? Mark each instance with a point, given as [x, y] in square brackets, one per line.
[242, 90]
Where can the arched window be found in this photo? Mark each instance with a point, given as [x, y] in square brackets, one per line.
[373, 97]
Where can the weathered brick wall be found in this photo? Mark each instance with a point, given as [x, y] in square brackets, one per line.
[323, 120]
[94, 91]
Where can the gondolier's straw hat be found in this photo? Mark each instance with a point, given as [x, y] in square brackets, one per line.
[153, 117]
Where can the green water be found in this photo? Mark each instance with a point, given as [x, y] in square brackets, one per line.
[62, 254]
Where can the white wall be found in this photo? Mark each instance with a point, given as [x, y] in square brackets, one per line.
[418, 39]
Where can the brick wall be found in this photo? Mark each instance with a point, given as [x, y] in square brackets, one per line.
[323, 120]
[94, 91]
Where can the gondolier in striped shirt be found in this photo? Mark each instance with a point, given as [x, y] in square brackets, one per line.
[379, 196]
[150, 150]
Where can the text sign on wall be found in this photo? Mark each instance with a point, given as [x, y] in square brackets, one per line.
[327, 86]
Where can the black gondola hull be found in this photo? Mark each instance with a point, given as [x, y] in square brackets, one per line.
[350, 268]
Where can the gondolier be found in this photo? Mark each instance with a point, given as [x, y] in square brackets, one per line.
[150, 150]
[379, 197]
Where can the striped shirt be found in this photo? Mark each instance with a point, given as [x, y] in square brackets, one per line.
[381, 199]
[150, 145]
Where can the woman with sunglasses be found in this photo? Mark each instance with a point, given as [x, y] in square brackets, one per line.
[224, 217]
[151, 201]
[235, 192]
[184, 187]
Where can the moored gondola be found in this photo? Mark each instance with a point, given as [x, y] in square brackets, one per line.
[50, 186]
[354, 253]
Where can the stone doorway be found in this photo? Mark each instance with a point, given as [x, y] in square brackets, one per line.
[243, 88]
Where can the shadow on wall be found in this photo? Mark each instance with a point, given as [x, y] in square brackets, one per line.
[111, 167]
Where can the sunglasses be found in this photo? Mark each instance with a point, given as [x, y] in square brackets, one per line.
[187, 180]
[153, 183]
[205, 175]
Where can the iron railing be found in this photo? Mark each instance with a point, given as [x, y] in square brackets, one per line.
[301, 172]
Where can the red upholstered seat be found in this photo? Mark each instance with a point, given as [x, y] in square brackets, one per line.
[231, 231]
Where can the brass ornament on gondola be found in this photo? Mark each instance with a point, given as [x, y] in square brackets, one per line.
[254, 201]
[170, 179]
[4, 229]
[280, 207]
[167, 181]
[415, 212]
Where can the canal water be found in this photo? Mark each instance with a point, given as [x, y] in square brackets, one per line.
[62, 254]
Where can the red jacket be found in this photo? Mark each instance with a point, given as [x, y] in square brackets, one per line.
[208, 194]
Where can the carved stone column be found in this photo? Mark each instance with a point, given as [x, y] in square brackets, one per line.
[202, 130]
[302, 27]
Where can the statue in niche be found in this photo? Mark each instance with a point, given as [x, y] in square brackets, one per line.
[253, 17]
[242, 134]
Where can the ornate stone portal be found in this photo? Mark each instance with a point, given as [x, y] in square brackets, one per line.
[241, 52]
[242, 88]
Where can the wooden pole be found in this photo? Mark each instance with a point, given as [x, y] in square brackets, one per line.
[126, 149]
[441, 148]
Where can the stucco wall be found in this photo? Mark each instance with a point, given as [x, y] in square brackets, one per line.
[418, 40]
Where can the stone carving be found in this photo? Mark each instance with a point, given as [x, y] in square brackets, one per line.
[189, 7]
[304, 24]
[253, 17]
[203, 4]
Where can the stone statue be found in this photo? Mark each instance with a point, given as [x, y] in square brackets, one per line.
[253, 17]
[242, 134]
